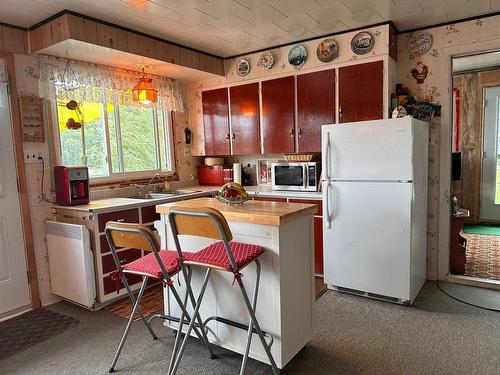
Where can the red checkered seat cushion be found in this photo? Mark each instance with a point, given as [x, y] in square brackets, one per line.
[216, 255]
[148, 265]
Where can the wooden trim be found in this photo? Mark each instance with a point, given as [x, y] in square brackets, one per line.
[71, 26]
[23, 187]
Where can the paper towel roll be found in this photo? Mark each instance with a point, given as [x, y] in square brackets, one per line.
[237, 172]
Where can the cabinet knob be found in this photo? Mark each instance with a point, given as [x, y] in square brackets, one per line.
[300, 132]
[291, 132]
[234, 137]
[227, 136]
[340, 111]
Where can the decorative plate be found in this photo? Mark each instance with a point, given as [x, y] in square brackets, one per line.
[243, 68]
[420, 43]
[327, 50]
[362, 43]
[297, 55]
[266, 60]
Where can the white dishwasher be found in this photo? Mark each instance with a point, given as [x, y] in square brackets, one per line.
[71, 262]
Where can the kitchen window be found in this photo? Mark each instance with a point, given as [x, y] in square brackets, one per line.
[115, 141]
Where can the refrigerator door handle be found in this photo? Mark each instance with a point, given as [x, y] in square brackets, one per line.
[329, 216]
[327, 157]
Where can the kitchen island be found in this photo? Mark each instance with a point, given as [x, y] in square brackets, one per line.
[286, 292]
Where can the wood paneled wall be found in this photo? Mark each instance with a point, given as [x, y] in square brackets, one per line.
[13, 40]
[69, 26]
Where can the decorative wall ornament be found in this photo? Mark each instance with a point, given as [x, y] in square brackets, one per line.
[419, 44]
[420, 72]
[87, 81]
[266, 60]
[297, 55]
[243, 68]
[362, 43]
[327, 50]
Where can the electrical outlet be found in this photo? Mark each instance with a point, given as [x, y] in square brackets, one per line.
[32, 156]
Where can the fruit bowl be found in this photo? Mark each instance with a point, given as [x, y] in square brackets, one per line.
[233, 201]
[233, 193]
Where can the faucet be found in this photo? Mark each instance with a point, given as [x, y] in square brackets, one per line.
[138, 188]
[156, 176]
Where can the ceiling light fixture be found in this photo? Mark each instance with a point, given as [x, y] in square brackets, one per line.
[144, 90]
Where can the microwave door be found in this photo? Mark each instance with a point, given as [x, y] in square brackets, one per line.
[289, 177]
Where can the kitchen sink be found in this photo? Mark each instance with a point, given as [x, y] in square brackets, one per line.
[152, 196]
[163, 195]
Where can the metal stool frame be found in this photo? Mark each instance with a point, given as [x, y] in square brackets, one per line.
[221, 227]
[153, 247]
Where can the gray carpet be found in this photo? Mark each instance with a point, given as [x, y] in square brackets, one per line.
[31, 328]
[354, 335]
[481, 297]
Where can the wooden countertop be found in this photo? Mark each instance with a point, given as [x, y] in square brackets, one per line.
[255, 212]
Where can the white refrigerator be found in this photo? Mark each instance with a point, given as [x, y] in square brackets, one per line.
[375, 207]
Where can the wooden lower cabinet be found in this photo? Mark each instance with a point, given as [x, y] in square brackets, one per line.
[107, 288]
[318, 226]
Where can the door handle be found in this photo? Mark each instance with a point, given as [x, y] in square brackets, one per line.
[233, 137]
[227, 136]
[327, 157]
[340, 111]
[329, 216]
[300, 132]
[291, 132]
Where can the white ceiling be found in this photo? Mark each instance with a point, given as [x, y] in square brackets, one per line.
[231, 27]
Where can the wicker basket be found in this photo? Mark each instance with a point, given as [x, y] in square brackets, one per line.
[298, 157]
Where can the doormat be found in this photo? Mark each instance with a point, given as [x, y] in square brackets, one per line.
[483, 256]
[151, 302]
[485, 230]
[31, 328]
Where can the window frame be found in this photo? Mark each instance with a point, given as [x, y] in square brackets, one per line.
[168, 135]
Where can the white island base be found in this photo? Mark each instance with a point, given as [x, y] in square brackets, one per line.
[286, 291]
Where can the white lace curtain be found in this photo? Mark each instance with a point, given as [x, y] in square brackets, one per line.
[83, 81]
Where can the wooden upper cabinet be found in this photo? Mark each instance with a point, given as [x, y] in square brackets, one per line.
[315, 107]
[361, 95]
[278, 125]
[245, 123]
[216, 121]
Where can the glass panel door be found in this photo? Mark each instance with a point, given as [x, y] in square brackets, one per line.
[490, 192]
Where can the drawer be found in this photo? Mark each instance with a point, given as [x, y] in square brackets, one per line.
[149, 214]
[104, 244]
[318, 245]
[317, 202]
[125, 256]
[110, 285]
[270, 199]
[210, 175]
[126, 216]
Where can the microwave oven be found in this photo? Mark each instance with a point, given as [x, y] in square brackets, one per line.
[300, 176]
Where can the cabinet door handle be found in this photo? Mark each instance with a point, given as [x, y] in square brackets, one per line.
[120, 220]
[300, 132]
[340, 111]
[234, 137]
[291, 132]
[227, 136]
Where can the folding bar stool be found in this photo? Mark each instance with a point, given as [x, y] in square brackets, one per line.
[158, 264]
[223, 255]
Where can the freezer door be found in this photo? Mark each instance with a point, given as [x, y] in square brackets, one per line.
[370, 150]
[367, 247]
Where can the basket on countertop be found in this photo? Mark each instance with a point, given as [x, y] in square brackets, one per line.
[298, 157]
